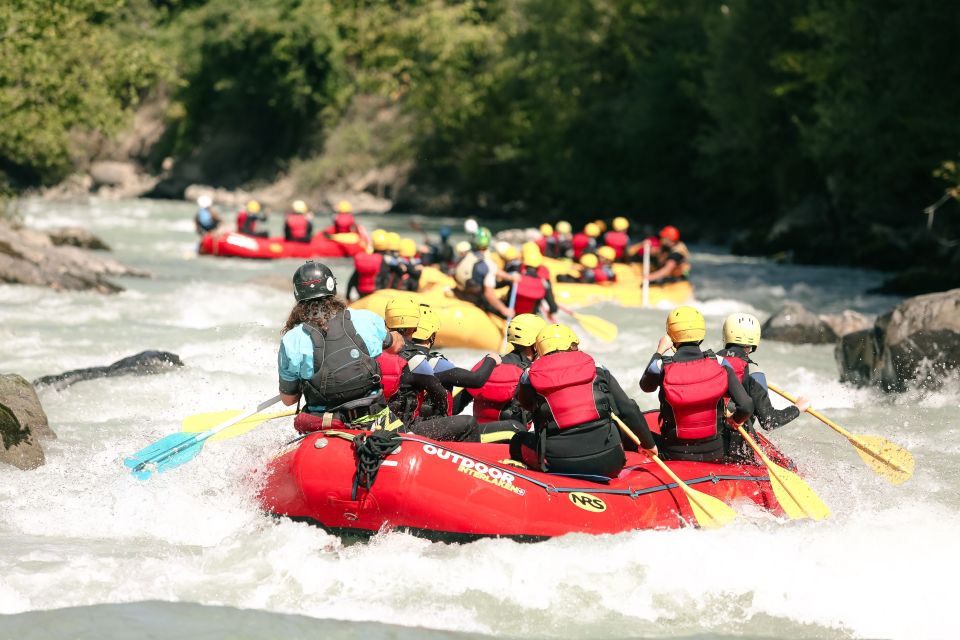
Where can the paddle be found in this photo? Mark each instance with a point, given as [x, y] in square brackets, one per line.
[709, 512]
[889, 460]
[512, 307]
[203, 421]
[348, 237]
[594, 325]
[179, 448]
[794, 495]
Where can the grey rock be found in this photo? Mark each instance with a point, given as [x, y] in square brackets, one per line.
[143, 363]
[518, 236]
[846, 322]
[77, 237]
[793, 323]
[22, 423]
[30, 257]
[918, 344]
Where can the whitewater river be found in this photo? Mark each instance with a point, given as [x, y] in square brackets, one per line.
[88, 551]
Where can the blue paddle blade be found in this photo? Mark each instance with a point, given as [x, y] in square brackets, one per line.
[164, 454]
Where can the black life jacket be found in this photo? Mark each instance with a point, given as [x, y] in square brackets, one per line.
[343, 368]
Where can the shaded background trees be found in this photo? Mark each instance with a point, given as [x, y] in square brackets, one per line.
[814, 127]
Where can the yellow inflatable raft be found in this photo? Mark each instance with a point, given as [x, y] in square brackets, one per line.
[626, 294]
[461, 323]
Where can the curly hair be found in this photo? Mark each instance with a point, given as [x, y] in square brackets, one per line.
[314, 312]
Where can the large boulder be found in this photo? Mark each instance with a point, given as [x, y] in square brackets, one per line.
[143, 363]
[846, 322]
[793, 323]
[30, 257]
[77, 237]
[918, 343]
[22, 423]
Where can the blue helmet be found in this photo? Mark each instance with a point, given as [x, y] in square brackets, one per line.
[445, 233]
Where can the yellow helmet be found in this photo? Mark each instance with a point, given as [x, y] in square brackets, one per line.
[607, 253]
[741, 328]
[564, 227]
[402, 312]
[592, 229]
[428, 325]
[344, 207]
[531, 254]
[546, 229]
[620, 224]
[253, 207]
[600, 225]
[523, 329]
[299, 206]
[589, 261]
[555, 337]
[379, 239]
[408, 248]
[686, 324]
[393, 241]
[510, 253]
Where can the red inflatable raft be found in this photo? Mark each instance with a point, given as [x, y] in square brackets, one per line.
[460, 492]
[237, 245]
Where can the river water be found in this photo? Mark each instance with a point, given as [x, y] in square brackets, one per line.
[88, 551]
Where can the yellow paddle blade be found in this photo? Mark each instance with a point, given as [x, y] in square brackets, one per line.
[345, 238]
[889, 460]
[597, 326]
[203, 421]
[795, 496]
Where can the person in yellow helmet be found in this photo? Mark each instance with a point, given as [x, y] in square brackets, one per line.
[371, 268]
[409, 265]
[248, 218]
[573, 401]
[617, 238]
[585, 241]
[606, 256]
[589, 268]
[564, 237]
[343, 220]
[741, 337]
[693, 385]
[531, 284]
[548, 240]
[297, 225]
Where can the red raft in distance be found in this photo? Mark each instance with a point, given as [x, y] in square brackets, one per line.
[238, 245]
[457, 492]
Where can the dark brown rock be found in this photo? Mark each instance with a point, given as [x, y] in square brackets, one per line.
[77, 237]
[22, 423]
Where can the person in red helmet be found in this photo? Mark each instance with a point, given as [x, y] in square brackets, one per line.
[672, 258]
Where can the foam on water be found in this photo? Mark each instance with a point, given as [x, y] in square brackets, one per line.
[81, 531]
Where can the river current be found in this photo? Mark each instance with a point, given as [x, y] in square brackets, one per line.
[88, 551]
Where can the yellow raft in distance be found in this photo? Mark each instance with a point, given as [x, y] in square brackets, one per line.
[462, 324]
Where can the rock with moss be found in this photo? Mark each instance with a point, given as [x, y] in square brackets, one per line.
[23, 423]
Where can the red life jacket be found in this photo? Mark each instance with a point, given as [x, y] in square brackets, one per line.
[739, 366]
[542, 243]
[344, 223]
[601, 275]
[368, 267]
[565, 380]
[694, 390]
[242, 221]
[297, 226]
[530, 291]
[618, 240]
[490, 399]
[579, 244]
[391, 366]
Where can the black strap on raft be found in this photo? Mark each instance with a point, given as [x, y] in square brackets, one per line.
[371, 450]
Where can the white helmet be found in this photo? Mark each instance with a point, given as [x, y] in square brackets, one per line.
[470, 226]
[204, 201]
[741, 328]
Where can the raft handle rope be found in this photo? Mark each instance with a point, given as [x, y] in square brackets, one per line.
[371, 450]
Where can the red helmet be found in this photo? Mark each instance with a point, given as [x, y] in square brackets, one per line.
[671, 233]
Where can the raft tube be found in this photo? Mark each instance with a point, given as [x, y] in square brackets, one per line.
[463, 491]
[462, 324]
[238, 245]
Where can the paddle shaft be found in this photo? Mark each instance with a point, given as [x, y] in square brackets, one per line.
[511, 306]
[200, 437]
[854, 440]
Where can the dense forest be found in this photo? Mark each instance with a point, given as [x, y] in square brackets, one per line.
[819, 129]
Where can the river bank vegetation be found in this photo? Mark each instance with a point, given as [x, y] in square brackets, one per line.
[813, 129]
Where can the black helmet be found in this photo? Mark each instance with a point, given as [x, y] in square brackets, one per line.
[313, 280]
